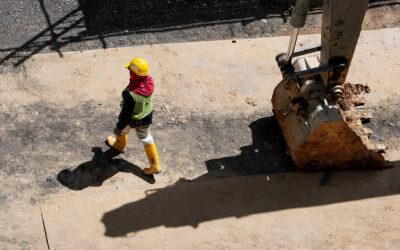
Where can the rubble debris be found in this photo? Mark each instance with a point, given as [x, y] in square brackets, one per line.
[354, 117]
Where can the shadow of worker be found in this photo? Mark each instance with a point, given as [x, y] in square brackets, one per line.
[100, 168]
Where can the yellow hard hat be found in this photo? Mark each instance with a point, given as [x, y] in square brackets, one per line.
[139, 66]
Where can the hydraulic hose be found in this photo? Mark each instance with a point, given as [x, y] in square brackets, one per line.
[298, 20]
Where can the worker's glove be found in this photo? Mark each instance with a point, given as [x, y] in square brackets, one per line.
[117, 132]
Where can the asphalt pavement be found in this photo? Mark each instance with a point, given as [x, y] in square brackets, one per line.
[40, 26]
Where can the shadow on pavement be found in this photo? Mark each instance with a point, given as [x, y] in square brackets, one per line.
[100, 168]
[98, 20]
[207, 198]
[265, 156]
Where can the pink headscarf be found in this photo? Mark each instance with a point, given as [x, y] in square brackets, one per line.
[141, 85]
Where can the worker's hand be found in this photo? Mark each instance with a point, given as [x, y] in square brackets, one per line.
[117, 132]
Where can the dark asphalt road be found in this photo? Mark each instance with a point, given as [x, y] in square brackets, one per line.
[31, 27]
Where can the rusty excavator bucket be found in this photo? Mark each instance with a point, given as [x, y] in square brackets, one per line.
[314, 106]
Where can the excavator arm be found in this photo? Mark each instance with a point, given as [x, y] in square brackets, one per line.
[313, 105]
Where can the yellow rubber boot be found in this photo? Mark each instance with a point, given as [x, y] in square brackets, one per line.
[152, 156]
[118, 143]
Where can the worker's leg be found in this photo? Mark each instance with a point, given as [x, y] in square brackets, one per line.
[144, 134]
[119, 142]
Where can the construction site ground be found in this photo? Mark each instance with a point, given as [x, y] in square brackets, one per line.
[226, 181]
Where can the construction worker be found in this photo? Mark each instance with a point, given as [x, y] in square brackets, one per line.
[137, 113]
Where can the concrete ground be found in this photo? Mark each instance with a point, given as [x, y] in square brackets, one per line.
[226, 181]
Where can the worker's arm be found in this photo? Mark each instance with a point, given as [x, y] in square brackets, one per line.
[126, 111]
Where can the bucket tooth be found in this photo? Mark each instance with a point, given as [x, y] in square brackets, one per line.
[366, 131]
[379, 148]
[365, 117]
[358, 101]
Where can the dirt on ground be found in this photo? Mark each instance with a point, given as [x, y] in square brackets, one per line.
[226, 180]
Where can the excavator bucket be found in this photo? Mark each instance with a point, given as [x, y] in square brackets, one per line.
[326, 134]
[313, 105]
